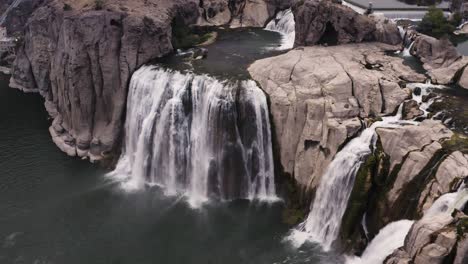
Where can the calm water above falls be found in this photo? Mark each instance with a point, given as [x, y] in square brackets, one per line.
[61, 210]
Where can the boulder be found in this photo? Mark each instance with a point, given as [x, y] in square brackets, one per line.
[81, 61]
[433, 240]
[451, 172]
[411, 110]
[326, 22]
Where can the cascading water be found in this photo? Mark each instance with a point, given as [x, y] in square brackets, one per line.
[195, 135]
[324, 220]
[391, 237]
[284, 24]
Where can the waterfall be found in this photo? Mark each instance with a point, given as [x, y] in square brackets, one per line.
[197, 136]
[407, 50]
[389, 238]
[284, 24]
[324, 220]
[448, 202]
[392, 236]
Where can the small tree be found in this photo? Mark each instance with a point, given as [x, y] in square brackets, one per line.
[435, 23]
[98, 4]
[67, 7]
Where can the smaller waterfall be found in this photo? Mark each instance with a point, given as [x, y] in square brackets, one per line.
[197, 136]
[387, 240]
[448, 202]
[324, 220]
[407, 50]
[426, 89]
[284, 24]
[392, 236]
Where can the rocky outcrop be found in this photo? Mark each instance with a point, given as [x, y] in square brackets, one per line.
[81, 59]
[240, 13]
[435, 239]
[411, 153]
[17, 16]
[440, 59]
[325, 22]
[319, 95]
[411, 110]
[450, 174]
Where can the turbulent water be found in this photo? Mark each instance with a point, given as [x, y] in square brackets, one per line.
[284, 24]
[324, 220]
[387, 240]
[194, 135]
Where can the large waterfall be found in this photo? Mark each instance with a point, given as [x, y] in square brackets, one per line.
[197, 136]
[284, 24]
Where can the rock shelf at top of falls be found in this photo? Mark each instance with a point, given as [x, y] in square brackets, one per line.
[194, 135]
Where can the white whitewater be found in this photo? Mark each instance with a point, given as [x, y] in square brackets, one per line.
[392, 236]
[426, 89]
[448, 202]
[407, 50]
[324, 220]
[284, 24]
[196, 136]
[389, 238]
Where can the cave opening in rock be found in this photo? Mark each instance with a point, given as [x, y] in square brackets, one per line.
[329, 36]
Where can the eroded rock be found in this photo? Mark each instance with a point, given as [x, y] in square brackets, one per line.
[318, 96]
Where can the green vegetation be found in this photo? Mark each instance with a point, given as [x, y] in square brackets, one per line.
[98, 4]
[295, 210]
[435, 24]
[184, 37]
[67, 7]
[458, 142]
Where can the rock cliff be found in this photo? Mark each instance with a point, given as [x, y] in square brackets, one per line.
[240, 13]
[81, 54]
[325, 22]
[319, 96]
[80, 57]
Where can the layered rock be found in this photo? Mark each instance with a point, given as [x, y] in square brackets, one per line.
[319, 95]
[412, 152]
[327, 22]
[80, 59]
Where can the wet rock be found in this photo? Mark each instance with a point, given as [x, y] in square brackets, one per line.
[433, 240]
[318, 95]
[426, 98]
[411, 110]
[448, 178]
[417, 91]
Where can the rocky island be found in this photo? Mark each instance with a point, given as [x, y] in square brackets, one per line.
[349, 137]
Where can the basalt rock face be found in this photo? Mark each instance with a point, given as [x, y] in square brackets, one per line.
[240, 13]
[319, 96]
[81, 61]
[323, 21]
[18, 15]
[434, 240]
